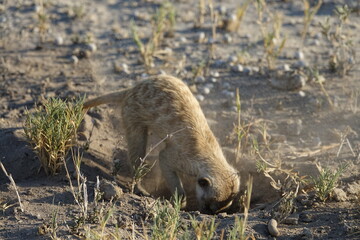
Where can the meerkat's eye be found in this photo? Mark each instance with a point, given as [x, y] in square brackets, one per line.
[204, 182]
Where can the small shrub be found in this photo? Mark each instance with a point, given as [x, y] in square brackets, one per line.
[327, 181]
[166, 219]
[51, 131]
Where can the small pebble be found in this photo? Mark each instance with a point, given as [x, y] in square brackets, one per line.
[209, 85]
[299, 55]
[200, 97]
[59, 41]
[300, 64]
[228, 38]
[339, 195]
[110, 190]
[92, 47]
[214, 80]
[247, 70]
[233, 59]
[307, 234]
[255, 69]
[302, 94]
[214, 74]
[228, 94]
[237, 68]
[74, 59]
[125, 68]
[272, 227]
[222, 9]
[206, 90]
[306, 217]
[183, 39]
[285, 68]
[293, 219]
[199, 79]
[201, 37]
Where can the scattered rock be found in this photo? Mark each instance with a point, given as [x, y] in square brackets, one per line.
[183, 39]
[228, 38]
[92, 47]
[237, 68]
[59, 41]
[74, 59]
[247, 70]
[214, 74]
[293, 219]
[339, 195]
[230, 23]
[206, 90]
[354, 188]
[287, 81]
[272, 227]
[200, 97]
[199, 79]
[307, 234]
[233, 59]
[285, 68]
[300, 64]
[306, 217]
[201, 37]
[299, 55]
[110, 190]
[302, 93]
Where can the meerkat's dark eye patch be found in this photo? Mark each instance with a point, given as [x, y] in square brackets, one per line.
[204, 182]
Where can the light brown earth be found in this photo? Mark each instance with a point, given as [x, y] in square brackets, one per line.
[303, 128]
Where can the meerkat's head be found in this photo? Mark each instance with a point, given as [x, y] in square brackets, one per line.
[216, 191]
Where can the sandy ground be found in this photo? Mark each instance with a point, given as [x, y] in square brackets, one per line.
[305, 125]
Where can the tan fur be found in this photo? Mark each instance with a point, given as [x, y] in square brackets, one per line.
[164, 104]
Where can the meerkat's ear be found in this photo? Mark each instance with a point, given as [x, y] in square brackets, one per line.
[204, 182]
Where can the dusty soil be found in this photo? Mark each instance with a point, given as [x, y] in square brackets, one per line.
[305, 126]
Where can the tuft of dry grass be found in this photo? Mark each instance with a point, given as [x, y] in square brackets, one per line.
[51, 131]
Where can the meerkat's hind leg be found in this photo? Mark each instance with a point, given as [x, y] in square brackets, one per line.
[136, 136]
[170, 175]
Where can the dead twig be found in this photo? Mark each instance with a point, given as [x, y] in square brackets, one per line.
[14, 185]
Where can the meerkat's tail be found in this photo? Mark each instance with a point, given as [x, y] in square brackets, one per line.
[107, 98]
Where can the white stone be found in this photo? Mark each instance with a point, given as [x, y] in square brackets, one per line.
[228, 38]
[59, 40]
[200, 97]
[199, 79]
[201, 37]
[237, 68]
[299, 55]
[206, 90]
[74, 59]
[92, 47]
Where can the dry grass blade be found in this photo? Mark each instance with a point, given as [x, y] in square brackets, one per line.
[238, 231]
[14, 185]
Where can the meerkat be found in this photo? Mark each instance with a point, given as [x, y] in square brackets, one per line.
[164, 105]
